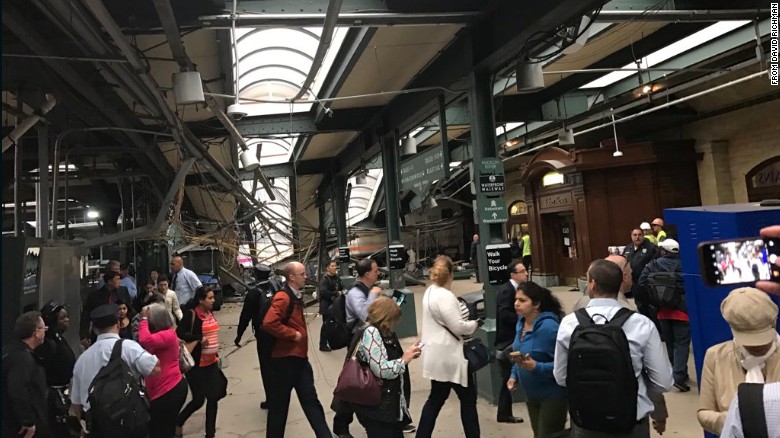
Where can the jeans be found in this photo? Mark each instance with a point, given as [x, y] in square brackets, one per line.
[380, 429]
[164, 410]
[468, 407]
[547, 416]
[263, 358]
[201, 380]
[343, 419]
[504, 396]
[290, 373]
[677, 335]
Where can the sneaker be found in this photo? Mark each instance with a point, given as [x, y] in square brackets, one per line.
[682, 386]
[409, 428]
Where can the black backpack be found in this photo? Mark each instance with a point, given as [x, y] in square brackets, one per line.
[335, 329]
[664, 288]
[266, 298]
[118, 402]
[752, 415]
[600, 377]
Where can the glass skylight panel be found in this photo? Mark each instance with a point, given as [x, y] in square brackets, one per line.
[690, 42]
[509, 127]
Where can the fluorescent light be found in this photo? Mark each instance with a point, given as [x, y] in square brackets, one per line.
[691, 41]
[455, 164]
[552, 178]
[509, 127]
[92, 214]
[416, 131]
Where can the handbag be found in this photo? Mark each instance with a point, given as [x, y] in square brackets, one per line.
[357, 384]
[186, 361]
[190, 346]
[474, 351]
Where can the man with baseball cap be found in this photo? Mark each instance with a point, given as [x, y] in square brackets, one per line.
[753, 356]
[662, 282]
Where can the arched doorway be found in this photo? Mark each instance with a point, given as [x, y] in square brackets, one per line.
[763, 181]
[518, 220]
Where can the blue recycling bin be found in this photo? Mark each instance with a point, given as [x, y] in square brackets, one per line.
[699, 224]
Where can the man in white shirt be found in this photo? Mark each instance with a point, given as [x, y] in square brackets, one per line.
[647, 351]
[771, 404]
[183, 281]
[141, 363]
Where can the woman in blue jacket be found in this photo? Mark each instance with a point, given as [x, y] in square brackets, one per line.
[539, 315]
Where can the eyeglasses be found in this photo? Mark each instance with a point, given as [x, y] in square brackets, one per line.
[44, 328]
[522, 271]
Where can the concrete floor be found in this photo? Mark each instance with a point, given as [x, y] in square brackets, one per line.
[240, 414]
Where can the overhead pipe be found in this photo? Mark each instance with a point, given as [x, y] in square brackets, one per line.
[351, 19]
[680, 16]
[650, 110]
[331, 17]
[25, 125]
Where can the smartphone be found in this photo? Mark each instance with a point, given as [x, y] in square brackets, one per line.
[739, 262]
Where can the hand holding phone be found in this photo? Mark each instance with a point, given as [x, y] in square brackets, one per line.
[772, 287]
[740, 262]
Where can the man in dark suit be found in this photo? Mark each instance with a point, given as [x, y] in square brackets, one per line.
[250, 312]
[506, 325]
[108, 294]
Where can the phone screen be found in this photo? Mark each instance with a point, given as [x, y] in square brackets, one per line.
[740, 261]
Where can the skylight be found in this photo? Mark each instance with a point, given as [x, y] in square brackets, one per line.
[690, 42]
[509, 127]
[273, 64]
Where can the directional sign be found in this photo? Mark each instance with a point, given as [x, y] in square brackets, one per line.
[498, 259]
[417, 173]
[491, 184]
[491, 210]
[331, 231]
[396, 257]
[491, 166]
[344, 254]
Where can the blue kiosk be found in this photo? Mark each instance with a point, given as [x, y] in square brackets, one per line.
[699, 224]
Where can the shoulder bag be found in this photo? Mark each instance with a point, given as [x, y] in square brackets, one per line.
[475, 352]
[357, 384]
[186, 361]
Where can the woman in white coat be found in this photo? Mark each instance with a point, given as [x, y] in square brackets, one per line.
[442, 354]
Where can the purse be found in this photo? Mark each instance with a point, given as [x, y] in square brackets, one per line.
[474, 351]
[357, 384]
[186, 362]
[190, 346]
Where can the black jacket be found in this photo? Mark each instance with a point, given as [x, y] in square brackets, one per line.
[97, 298]
[24, 391]
[506, 317]
[57, 358]
[250, 311]
[329, 289]
[666, 263]
[638, 259]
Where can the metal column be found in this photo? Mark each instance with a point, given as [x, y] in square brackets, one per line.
[293, 192]
[42, 187]
[483, 146]
[339, 205]
[324, 259]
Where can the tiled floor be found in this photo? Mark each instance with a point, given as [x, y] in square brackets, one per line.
[240, 415]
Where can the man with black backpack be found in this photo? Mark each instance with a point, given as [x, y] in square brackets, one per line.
[601, 353]
[107, 381]
[662, 281]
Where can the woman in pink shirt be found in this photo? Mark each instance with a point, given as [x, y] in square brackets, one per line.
[167, 390]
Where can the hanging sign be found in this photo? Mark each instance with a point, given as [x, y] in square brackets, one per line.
[499, 256]
[419, 172]
[344, 254]
[395, 257]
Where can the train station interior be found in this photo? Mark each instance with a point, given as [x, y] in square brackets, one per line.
[241, 132]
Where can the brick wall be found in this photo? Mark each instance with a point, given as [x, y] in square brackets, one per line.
[732, 145]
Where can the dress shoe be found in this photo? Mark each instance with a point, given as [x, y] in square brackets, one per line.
[345, 435]
[682, 386]
[326, 348]
[409, 428]
[510, 420]
[264, 405]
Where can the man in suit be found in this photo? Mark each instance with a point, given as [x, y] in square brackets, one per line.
[108, 294]
[506, 325]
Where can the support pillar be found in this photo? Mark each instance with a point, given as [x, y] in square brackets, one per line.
[42, 187]
[407, 326]
[293, 191]
[483, 146]
[339, 205]
[323, 228]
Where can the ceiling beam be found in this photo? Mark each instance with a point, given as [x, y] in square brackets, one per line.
[364, 19]
[681, 16]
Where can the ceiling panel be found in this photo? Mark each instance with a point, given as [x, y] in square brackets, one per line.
[210, 204]
[328, 145]
[452, 132]
[392, 58]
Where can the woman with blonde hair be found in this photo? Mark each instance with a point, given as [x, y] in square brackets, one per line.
[168, 389]
[381, 350]
[443, 360]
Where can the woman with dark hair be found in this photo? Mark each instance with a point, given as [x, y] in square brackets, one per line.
[125, 329]
[378, 346]
[58, 361]
[200, 330]
[168, 389]
[533, 352]
[443, 363]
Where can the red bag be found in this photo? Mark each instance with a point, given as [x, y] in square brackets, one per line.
[357, 384]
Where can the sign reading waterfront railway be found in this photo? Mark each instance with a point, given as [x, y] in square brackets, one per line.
[417, 173]
[491, 176]
[498, 259]
[395, 257]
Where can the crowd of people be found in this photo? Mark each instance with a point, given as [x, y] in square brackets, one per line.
[603, 366]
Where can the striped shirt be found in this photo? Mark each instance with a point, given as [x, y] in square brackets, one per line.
[209, 349]
[733, 426]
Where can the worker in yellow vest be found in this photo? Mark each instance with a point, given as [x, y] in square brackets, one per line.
[658, 229]
[648, 231]
[526, 251]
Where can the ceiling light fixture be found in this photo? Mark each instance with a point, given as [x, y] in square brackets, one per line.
[617, 152]
[408, 146]
[647, 89]
[361, 178]
[432, 203]
[566, 137]
[187, 88]
[92, 214]
[249, 160]
[529, 76]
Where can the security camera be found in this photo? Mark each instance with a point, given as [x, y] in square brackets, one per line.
[236, 111]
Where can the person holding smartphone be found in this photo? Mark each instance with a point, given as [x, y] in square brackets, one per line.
[533, 353]
[772, 287]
